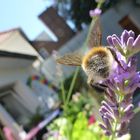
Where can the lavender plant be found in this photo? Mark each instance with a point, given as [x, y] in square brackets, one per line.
[117, 108]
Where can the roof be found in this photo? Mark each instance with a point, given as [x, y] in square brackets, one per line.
[14, 42]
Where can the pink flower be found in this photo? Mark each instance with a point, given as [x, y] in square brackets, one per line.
[91, 120]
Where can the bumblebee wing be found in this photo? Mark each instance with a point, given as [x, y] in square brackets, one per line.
[74, 59]
[95, 34]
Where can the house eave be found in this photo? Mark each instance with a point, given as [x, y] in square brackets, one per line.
[17, 55]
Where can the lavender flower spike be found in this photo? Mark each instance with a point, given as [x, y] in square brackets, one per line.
[127, 44]
[117, 109]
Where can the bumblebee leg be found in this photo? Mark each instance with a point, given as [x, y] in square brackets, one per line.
[99, 87]
[115, 56]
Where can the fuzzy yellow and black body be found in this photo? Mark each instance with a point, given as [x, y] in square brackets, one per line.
[97, 64]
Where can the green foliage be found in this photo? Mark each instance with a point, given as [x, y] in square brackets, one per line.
[82, 131]
[66, 85]
[80, 102]
[73, 124]
[80, 82]
[77, 130]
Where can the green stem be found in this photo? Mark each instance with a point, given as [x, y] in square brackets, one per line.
[114, 131]
[100, 4]
[137, 110]
[72, 85]
[63, 95]
[119, 100]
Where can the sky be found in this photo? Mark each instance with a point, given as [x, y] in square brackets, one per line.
[23, 14]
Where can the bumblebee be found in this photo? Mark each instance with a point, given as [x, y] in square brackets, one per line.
[98, 62]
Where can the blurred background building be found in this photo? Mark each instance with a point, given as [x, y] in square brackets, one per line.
[58, 27]
[28, 69]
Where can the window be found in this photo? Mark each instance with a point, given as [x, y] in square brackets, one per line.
[11, 101]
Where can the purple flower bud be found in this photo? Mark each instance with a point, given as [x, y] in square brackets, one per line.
[107, 133]
[109, 116]
[102, 126]
[134, 80]
[117, 38]
[127, 100]
[111, 86]
[104, 109]
[105, 104]
[129, 108]
[116, 43]
[127, 116]
[112, 105]
[131, 33]
[116, 112]
[109, 40]
[101, 112]
[112, 100]
[107, 123]
[123, 129]
[124, 37]
[132, 64]
[95, 12]
[130, 41]
[109, 91]
[137, 41]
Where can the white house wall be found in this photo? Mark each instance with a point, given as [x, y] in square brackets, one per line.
[8, 76]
